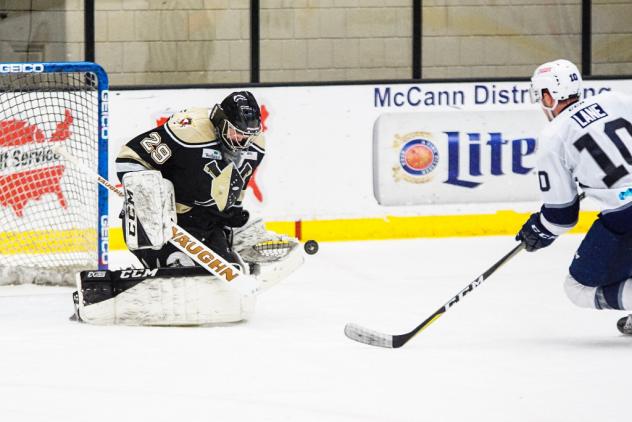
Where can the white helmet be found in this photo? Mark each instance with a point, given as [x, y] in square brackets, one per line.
[560, 77]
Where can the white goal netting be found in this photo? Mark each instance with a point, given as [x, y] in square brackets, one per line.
[48, 209]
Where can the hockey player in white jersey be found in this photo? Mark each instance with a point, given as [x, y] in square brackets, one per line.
[587, 145]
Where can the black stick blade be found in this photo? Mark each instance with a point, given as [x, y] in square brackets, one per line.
[364, 335]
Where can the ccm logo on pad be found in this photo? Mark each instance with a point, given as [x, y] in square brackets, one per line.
[139, 273]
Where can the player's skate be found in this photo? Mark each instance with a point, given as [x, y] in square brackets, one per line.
[625, 325]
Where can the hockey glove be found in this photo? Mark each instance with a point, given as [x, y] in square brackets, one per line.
[534, 235]
[236, 217]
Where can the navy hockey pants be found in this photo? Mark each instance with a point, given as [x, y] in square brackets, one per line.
[604, 258]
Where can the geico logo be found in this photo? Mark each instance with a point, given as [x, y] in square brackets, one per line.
[104, 251]
[139, 273]
[104, 226]
[21, 67]
[104, 242]
[104, 126]
[104, 120]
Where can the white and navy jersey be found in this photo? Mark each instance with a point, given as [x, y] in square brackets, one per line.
[588, 146]
[208, 178]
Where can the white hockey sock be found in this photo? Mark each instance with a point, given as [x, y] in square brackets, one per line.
[580, 295]
[626, 295]
[614, 296]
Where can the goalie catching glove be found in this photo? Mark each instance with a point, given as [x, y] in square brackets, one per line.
[270, 256]
[150, 209]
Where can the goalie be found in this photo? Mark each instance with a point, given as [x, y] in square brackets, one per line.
[193, 171]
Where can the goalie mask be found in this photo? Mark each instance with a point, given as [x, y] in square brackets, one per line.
[237, 120]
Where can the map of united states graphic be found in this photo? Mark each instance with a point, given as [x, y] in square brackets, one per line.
[27, 163]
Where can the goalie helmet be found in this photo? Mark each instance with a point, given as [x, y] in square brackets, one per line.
[560, 77]
[237, 120]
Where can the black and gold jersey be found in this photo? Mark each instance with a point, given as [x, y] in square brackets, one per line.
[209, 180]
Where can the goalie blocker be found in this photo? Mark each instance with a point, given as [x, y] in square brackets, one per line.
[150, 210]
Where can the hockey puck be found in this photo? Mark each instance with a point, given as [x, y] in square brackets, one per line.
[311, 247]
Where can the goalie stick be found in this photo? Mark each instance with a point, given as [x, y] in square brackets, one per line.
[375, 338]
[181, 239]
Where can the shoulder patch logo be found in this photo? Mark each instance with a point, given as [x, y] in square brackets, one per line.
[211, 153]
[184, 122]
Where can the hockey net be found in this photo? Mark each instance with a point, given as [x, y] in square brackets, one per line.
[50, 213]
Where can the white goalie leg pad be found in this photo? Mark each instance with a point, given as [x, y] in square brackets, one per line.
[150, 209]
[580, 295]
[271, 256]
[166, 301]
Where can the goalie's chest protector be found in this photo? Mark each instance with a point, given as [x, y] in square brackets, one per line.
[202, 171]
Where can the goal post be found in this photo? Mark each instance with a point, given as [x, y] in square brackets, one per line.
[53, 218]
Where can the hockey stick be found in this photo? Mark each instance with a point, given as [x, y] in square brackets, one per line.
[181, 239]
[374, 338]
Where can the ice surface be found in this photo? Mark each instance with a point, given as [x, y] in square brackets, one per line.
[515, 349]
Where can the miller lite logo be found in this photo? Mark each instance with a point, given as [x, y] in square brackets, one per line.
[29, 168]
[418, 157]
[438, 157]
